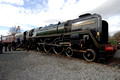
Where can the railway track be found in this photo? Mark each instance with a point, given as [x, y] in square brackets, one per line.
[114, 63]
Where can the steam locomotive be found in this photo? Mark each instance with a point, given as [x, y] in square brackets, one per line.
[87, 35]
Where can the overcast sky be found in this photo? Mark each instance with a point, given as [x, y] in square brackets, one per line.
[30, 14]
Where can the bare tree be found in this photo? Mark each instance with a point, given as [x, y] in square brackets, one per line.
[14, 30]
[18, 30]
[116, 36]
[110, 37]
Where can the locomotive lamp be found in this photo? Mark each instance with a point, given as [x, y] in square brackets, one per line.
[98, 33]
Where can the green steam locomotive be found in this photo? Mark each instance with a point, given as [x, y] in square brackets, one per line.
[86, 35]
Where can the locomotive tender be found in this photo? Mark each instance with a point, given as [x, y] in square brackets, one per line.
[87, 35]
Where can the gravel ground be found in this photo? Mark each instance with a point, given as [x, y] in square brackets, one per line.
[32, 65]
[117, 55]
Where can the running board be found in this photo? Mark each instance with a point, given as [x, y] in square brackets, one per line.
[79, 50]
[61, 44]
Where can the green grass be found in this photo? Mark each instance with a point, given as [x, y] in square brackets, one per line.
[113, 42]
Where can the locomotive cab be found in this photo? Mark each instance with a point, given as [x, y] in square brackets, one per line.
[91, 35]
[104, 32]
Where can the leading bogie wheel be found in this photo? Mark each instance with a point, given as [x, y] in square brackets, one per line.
[69, 52]
[90, 55]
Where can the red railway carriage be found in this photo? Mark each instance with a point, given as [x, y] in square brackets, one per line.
[8, 39]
